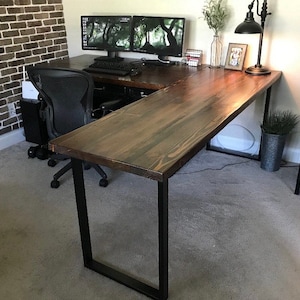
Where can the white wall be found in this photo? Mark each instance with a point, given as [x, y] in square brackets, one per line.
[280, 49]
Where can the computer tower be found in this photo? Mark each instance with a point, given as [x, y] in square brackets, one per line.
[34, 127]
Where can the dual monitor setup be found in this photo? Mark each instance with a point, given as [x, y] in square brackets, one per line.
[161, 36]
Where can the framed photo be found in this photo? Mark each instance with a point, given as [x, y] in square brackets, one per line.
[235, 56]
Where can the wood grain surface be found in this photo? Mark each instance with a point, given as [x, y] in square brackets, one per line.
[157, 135]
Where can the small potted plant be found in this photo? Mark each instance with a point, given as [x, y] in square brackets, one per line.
[275, 130]
[215, 14]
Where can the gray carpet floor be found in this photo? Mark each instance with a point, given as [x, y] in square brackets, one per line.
[234, 231]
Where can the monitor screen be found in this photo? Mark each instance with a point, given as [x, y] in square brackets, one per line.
[158, 35]
[110, 33]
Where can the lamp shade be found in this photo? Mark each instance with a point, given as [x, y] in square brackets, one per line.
[249, 25]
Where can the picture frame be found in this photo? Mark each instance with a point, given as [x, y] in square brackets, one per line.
[235, 56]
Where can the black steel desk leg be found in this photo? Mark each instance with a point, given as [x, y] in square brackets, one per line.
[82, 211]
[266, 114]
[163, 238]
[267, 104]
[297, 188]
[162, 292]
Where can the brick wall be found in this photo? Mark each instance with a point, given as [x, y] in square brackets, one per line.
[31, 31]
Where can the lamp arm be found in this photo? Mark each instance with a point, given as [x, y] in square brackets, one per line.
[258, 64]
[264, 13]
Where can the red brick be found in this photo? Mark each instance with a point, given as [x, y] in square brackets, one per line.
[11, 33]
[15, 10]
[48, 8]
[43, 29]
[56, 15]
[6, 56]
[5, 42]
[41, 16]
[49, 22]
[8, 18]
[18, 25]
[45, 43]
[23, 54]
[27, 31]
[39, 51]
[14, 49]
[22, 2]
[6, 2]
[47, 56]
[37, 37]
[32, 59]
[25, 17]
[21, 40]
[4, 26]
[15, 63]
[34, 24]
[39, 1]
[32, 9]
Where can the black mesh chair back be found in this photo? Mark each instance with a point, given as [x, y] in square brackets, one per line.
[68, 95]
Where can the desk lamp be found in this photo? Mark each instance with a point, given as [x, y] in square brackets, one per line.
[250, 26]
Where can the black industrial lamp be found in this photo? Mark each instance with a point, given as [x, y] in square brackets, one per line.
[250, 26]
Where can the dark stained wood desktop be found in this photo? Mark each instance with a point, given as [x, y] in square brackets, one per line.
[157, 135]
[152, 77]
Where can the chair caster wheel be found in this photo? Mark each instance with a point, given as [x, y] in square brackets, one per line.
[41, 153]
[54, 184]
[31, 152]
[103, 182]
[52, 163]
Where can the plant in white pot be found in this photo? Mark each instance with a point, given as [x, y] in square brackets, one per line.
[275, 130]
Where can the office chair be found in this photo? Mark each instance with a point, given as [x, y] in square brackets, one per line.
[68, 98]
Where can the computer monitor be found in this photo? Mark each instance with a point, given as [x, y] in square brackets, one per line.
[109, 33]
[163, 36]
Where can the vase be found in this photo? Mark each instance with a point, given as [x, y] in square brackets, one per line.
[215, 52]
[271, 151]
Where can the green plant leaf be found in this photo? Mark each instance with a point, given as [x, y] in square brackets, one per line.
[280, 122]
[215, 14]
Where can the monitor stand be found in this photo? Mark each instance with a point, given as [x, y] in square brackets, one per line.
[111, 56]
[163, 59]
[160, 61]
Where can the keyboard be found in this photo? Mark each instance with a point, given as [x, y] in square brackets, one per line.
[120, 68]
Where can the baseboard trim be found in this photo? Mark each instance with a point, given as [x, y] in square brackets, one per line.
[11, 138]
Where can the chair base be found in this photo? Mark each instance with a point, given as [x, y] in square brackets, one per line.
[40, 151]
[55, 182]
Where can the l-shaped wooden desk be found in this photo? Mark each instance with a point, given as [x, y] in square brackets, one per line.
[154, 137]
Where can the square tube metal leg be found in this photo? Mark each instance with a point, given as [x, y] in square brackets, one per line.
[163, 238]
[162, 292]
[297, 188]
[77, 167]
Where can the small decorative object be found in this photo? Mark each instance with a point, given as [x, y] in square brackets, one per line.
[235, 56]
[193, 57]
[275, 129]
[215, 14]
[215, 52]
